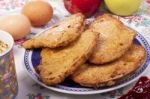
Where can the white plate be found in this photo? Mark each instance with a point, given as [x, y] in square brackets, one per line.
[32, 59]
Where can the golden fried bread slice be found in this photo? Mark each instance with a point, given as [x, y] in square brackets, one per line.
[114, 41]
[61, 34]
[107, 74]
[57, 64]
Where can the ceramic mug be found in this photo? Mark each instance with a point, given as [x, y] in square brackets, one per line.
[8, 78]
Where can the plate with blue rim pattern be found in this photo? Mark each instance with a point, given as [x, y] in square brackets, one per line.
[32, 60]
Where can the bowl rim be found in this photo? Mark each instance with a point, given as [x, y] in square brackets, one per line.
[8, 36]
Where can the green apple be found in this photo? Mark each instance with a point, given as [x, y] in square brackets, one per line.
[123, 7]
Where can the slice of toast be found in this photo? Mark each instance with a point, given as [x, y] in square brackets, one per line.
[114, 41]
[57, 64]
[61, 34]
[108, 74]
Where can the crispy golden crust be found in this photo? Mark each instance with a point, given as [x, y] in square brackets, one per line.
[115, 39]
[107, 74]
[57, 64]
[61, 34]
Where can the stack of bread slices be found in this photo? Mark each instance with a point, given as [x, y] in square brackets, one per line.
[96, 55]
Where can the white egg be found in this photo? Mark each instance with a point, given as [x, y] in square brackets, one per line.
[17, 25]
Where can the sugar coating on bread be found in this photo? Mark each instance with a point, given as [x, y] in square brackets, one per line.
[57, 64]
[115, 39]
[60, 34]
[108, 74]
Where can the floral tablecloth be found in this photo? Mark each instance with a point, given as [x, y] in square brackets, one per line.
[28, 89]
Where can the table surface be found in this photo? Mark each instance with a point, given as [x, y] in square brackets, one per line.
[28, 89]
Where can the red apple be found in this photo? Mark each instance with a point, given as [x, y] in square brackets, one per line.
[87, 7]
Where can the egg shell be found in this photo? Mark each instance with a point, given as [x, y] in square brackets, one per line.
[17, 25]
[38, 12]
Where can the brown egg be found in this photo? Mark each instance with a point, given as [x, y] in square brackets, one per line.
[17, 25]
[38, 12]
